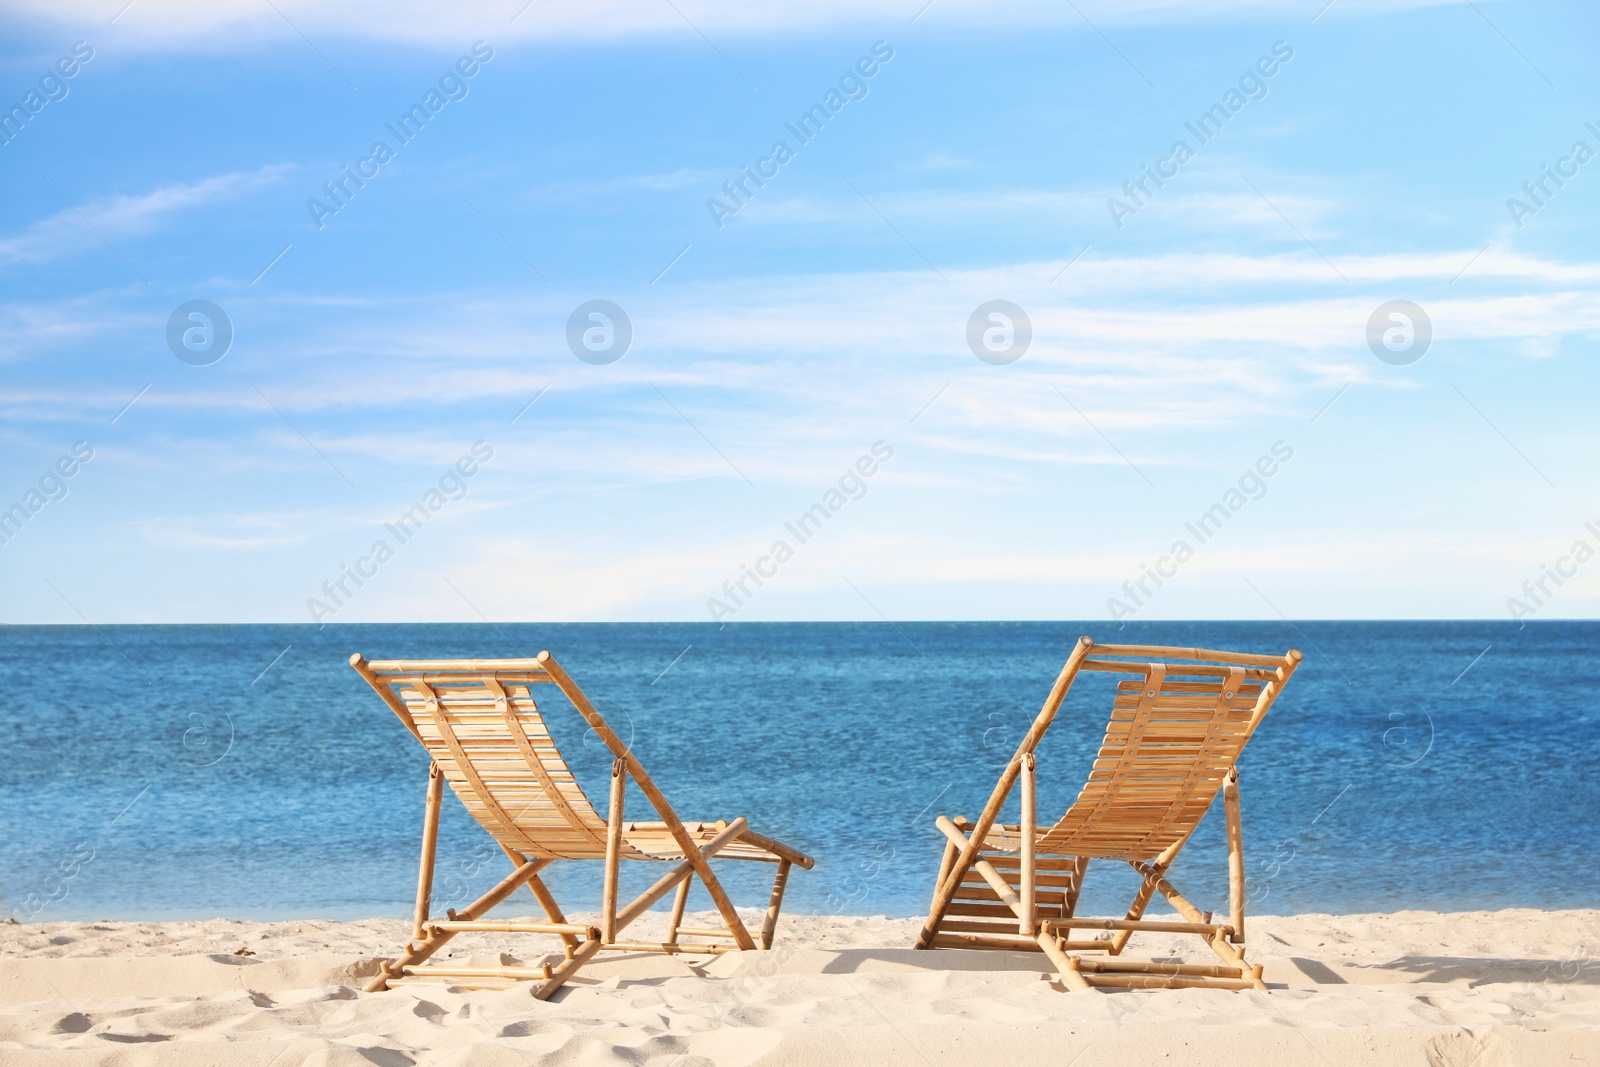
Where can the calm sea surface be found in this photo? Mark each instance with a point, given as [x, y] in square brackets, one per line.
[247, 771]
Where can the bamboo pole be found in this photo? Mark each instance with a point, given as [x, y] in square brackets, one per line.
[1070, 977]
[512, 926]
[777, 848]
[567, 969]
[1122, 666]
[383, 690]
[1157, 981]
[658, 800]
[1196, 970]
[1027, 925]
[673, 947]
[1230, 801]
[608, 899]
[1154, 926]
[1009, 942]
[1164, 652]
[1002, 789]
[779, 882]
[430, 843]
[513, 973]
[948, 858]
[679, 902]
[457, 666]
[1080, 867]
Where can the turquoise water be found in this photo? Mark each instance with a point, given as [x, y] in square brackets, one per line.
[247, 771]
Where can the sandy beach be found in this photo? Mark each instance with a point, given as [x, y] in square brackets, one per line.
[1446, 990]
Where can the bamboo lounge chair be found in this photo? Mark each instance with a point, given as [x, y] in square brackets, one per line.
[1177, 728]
[478, 721]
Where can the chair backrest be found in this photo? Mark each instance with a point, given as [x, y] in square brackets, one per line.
[479, 722]
[1177, 728]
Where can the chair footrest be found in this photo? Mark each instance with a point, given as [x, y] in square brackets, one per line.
[460, 983]
[1147, 925]
[1200, 970]
[1153, 974]
[462, 926]
[521, 974]
[672, 947]
[1011, 943]
[1157, 981]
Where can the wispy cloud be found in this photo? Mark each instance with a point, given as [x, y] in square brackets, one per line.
[184, 23]
[123, 215]
[1155, 326]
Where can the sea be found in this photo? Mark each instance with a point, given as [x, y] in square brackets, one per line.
[246, 771]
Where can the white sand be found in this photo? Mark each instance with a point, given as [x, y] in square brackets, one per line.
[1481, 989]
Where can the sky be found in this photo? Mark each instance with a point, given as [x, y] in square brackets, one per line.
[1298, 267]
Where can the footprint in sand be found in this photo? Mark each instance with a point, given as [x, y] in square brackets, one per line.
[1462, 1049]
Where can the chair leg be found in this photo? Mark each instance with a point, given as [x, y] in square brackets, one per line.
[948, 859]
[679, 902]
[1147, 889]
[568, 968]
[1069, 906]
[430, 844]
[1028, 921]
[1230, 801]
[719, 897]
[547, 901]
[1136, 910]
[780, 882]
[951, 877]
[608, 896]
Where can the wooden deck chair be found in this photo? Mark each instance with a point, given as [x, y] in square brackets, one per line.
[1177, 728]
[478, 721]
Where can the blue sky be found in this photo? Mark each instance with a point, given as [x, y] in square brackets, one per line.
[1169, 354]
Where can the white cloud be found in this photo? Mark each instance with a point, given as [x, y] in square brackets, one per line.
[172, 24]
[235, 533]
[75, 226]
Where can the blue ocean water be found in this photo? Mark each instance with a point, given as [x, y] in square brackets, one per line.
[247, 771]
